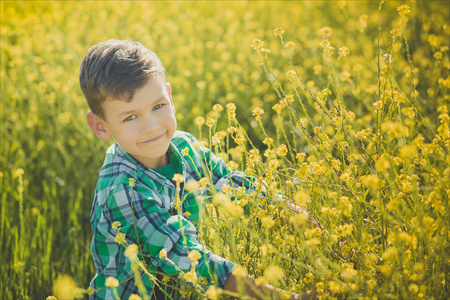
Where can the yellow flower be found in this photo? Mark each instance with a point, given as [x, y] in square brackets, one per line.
[290, 45]
[343, 51]
[403, 10]
[289, 98]
[394, 129]
[89, 291]
[301, 197]
[232, 165]
[273, 164]
[234, 209]
[204, 181]
[162, 253]
[18, 173]
[320, 286]
[413, 288]
[239, 271]
[378, 105]
[273, 273]
[299, 219]
[190, 276]
[231, 129]
[192, 185]
[396, 32]
[210, 122]
[268, 141]
[134, 297]
[194, 255]
[199, 121]
[325, 44]
[116, 225]
[308, 277]
[290, 74]
[345, 206]
[282, 150]
[300, 156]
[51, 298]
[267, 222]
[334, 287]
[329, 51]
[217, 108]
[382, 164]
[111, 282]
[408, 152]
[226, 188]
[240, 138]
[371, 180]
[257, 44]
[185, 151]
[213, 292]
[390, 253]
[266, 249]
[187, 214]
[201, 85]
[178, 178]
[131, 182]
[349, 272]
[220, 199]
[438, 55]
[277, 108]
[278, 31]
[120, 238]
[257, 112]
[132, 252]
[313, 242]
[325, 32]
[231, 111]
[199, 144]
[385, 270]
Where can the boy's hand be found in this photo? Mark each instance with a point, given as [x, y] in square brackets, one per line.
[261, 291]
[294, 208]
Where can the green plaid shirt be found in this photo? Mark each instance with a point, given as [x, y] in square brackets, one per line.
[150, 212]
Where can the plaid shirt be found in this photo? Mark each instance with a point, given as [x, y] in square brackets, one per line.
[148, 210]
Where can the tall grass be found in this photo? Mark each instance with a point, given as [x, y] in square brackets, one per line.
[349, 120]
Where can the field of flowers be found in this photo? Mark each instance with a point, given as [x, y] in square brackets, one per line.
[340, 106]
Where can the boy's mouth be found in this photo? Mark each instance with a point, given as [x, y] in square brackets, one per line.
[153, 139]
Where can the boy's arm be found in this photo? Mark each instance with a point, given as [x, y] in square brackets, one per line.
[145, 221]
[262, 291]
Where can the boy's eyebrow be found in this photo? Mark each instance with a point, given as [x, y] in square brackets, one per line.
[126, 112]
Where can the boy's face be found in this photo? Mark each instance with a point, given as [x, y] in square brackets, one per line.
[143, 127]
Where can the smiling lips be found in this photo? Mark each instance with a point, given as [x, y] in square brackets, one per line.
[152, 140]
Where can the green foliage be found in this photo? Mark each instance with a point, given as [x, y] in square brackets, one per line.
[363, 145]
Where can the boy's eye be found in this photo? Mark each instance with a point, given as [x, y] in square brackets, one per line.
[129, 118]
[157, 106]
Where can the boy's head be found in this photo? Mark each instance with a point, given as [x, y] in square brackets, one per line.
[124, 84]
[115, 69]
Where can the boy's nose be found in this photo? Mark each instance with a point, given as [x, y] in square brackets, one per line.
[149, 125]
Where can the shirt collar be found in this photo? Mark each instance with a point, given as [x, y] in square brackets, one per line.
[175, 158]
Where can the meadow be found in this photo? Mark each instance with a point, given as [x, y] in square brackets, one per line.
[340, 106]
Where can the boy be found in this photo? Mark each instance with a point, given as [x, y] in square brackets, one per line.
[130, 101]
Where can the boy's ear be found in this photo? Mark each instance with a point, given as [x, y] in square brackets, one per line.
[97, 126]
[169, 90]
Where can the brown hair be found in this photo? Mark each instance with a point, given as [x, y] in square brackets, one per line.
[115, 69]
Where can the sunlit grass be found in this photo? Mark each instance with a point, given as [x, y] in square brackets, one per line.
[346, 113]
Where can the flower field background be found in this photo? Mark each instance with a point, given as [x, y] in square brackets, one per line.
[344, 111]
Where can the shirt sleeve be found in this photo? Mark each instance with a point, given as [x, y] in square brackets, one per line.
[145, 221]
